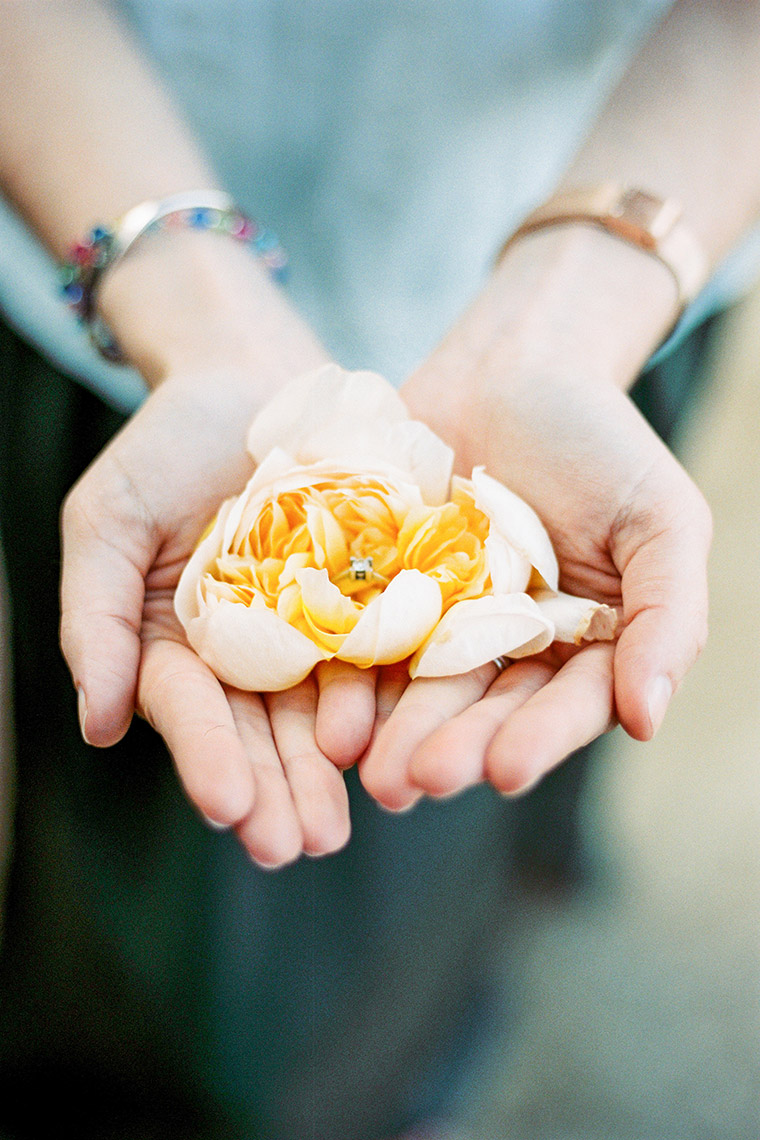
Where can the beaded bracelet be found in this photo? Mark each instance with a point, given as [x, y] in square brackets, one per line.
[105, 246]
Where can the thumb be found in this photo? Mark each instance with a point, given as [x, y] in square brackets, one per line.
[664, 587]
[102, 593]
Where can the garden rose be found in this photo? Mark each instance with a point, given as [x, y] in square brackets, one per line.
[352, 540]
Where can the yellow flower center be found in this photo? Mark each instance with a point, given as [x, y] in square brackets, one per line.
[326, 525]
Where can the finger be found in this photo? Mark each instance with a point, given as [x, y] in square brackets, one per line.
[573, 708]
[453, 756]
[183, 700]
[271, 832]
[392, 683]
[102, 591]
[345, 710]
[425, 705]
[316, 785]
[664, 587]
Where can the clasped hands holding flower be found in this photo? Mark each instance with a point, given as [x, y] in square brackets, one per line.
[312, 661]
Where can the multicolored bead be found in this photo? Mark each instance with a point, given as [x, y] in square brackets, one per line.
[90, 258]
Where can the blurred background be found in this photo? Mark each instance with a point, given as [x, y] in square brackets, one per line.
[633, 1008]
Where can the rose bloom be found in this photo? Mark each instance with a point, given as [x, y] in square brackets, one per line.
[352, 540]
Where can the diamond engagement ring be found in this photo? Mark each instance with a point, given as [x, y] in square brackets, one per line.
[361, 569]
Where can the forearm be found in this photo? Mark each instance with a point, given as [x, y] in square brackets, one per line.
[81, 145]
[86, 130]
[573, 302]
[684, 120]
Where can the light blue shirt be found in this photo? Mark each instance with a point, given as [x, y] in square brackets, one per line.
[392, 146]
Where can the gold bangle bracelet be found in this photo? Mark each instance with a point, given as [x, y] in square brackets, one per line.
[635, 216]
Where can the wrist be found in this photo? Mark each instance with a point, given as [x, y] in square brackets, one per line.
[200, 302]
[572, 304]
[579, 302]
[566, 320]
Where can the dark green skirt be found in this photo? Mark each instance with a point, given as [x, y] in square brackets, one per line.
[153, 981]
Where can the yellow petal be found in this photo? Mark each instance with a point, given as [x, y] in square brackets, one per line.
[577, 619]
[327, 540]
[395, 622]
[516, 523]
[325, 607]
[479, 630]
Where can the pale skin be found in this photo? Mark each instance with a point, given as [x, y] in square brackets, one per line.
[531, 381]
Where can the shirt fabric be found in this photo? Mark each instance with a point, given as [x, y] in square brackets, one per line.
[391, 146]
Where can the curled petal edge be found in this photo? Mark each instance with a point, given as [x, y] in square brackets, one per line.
[509, 569]
[478, 630]
[577, 619]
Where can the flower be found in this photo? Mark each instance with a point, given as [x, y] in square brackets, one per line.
[352, 540]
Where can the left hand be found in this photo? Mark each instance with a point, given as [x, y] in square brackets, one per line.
[629, 528]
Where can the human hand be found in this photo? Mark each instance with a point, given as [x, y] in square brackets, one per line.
[129, 525]
[629, 528]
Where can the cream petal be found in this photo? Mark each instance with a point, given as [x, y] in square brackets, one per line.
[425, 458]
[479, 630]
[510, 571]
[409, 451]
[274, 466]
[252, 648]
[577, 619]
[357, 418]
[316, 414]
[395, 622]
[186, 594]
[517, 523]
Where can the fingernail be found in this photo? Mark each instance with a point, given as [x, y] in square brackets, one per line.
[525, 788]
[82, 710]
[214, 824]
[658, 699]
[401, 808]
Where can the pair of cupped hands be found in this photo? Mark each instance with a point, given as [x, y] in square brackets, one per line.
[628, 526]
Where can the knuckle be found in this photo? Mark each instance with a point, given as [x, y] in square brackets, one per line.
[306, 762]
[104, 501]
